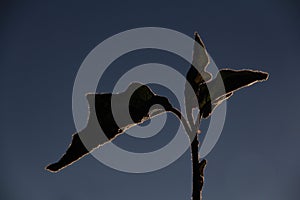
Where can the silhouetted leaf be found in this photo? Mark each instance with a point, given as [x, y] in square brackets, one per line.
[141, 107]
[224, 85]
[197, 73]
[196, 76]
[233, 80]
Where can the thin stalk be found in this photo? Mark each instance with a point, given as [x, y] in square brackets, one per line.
[197, 166]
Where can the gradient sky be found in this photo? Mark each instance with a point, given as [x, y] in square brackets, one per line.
[43, 44]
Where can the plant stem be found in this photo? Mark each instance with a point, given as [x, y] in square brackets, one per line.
[198, 170]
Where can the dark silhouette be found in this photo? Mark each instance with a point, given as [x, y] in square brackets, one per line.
[196, 76]
[142, 106]
[110, 111]
[209, 93]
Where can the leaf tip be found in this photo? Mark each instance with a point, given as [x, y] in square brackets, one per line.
[198, 39]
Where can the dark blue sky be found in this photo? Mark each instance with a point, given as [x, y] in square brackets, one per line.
[43, 44]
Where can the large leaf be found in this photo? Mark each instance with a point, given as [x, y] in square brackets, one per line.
[142, 107]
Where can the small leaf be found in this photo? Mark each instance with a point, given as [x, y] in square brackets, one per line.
[232, 80]
[196, 76]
